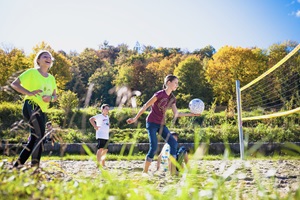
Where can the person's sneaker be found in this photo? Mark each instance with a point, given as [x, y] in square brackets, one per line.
[147, 175]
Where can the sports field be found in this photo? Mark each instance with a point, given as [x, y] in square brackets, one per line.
[207, 178]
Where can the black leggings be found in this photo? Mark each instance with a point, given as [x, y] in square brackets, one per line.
[34, 147]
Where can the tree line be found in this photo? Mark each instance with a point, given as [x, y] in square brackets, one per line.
[115, 74]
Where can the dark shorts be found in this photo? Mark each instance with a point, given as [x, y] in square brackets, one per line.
[102, 143]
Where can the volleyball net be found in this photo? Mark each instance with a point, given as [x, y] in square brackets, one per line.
[275, 93]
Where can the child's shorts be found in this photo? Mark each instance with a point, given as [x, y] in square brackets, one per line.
[102, 143]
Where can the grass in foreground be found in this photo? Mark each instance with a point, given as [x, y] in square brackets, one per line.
[229, 181]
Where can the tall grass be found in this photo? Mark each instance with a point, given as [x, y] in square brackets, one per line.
[229, 179]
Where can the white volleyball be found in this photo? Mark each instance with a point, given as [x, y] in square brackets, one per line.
[196, 106]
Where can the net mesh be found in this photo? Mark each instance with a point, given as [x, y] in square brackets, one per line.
[274, 93]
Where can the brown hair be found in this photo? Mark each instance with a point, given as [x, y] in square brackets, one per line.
[168, 78]
[104, 105]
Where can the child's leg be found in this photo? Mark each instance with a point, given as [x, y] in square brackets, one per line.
[103, 156]
[152, 129]
[99, 153]
[186, 158]
[146, 166]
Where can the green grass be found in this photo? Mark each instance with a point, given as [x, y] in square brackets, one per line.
[53, 183]
[209, 180]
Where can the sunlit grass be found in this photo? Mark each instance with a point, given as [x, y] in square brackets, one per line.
[205, 177]
[196, 183]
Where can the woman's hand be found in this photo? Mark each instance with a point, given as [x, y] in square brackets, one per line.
[130, 120]
[34, 92]
[46, 98]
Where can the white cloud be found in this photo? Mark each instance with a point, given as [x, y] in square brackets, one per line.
[298, 12]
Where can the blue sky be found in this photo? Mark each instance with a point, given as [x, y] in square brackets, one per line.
[187, 24]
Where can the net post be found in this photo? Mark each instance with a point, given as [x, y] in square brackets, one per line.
[239, 112]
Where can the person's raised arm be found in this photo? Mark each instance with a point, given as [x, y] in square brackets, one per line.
[142, 110]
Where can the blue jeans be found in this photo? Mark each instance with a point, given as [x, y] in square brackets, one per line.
[152, 129]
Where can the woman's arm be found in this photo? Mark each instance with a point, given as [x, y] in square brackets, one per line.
[178, 114]
[16, 85]
[142, 110]
[51, 98]
[54, 96]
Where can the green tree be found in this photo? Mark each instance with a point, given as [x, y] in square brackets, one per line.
[87, 62]
[206, 52]
[67, 101]
[84, 66]
[102, 81]
[192, 83]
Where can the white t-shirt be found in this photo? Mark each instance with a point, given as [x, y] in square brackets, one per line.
[103, 122]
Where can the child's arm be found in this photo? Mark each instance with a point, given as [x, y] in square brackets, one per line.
[142, 110]
[93, 123]
[16, 85]
[178, 114]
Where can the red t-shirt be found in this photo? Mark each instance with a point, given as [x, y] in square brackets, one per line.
[159, 108]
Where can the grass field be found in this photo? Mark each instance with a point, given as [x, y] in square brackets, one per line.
[206, 177]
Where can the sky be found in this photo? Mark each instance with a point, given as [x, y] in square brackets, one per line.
[73, 25]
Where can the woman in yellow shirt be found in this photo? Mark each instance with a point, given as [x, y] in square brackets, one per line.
[39, 88]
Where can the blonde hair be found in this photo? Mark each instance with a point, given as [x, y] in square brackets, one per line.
[38, 55]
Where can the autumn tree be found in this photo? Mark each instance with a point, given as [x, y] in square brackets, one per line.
[230, 64]
[12, 63]
[135, 75]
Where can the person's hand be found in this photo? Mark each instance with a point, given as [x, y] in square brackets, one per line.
[46, 98]
[130, 120]
[96, 127]
[34, 92]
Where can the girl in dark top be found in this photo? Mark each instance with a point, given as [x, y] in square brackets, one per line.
[155, 122]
